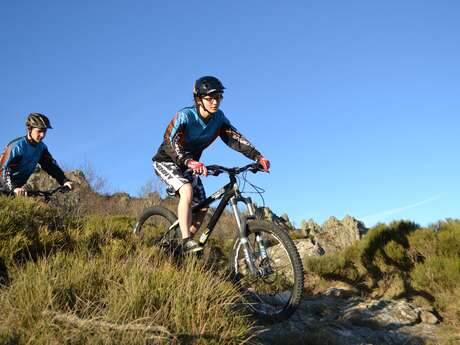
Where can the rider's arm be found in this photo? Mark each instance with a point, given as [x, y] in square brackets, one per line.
[237, 141]
[175, 137]
[48, 164]
[9, 162]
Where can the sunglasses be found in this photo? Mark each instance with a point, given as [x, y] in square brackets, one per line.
[216, 97]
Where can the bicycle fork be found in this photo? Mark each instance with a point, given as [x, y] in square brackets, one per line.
[241, 221]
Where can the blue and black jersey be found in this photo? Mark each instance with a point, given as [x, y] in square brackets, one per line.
[19, 160]
[188, 134]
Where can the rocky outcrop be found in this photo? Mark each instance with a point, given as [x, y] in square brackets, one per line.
[41, 180]
[337, 319]
[307, 247]
[334, 235]
[309, 228]
[84, 199]
[267, 214]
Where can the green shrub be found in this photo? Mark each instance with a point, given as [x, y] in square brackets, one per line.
[28, 228]
[402, 259]
[449, 240]
[438, 273]
[423, 244]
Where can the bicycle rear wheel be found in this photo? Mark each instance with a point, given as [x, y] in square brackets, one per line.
[158, 226]
[274, 291]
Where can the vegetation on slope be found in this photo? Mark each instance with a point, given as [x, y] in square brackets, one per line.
[90, 281]
[401, 260]
[72, 272]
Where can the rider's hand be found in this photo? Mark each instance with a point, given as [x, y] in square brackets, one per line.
[265, 163]
[20, 191]
[197, 167]
[68, 184]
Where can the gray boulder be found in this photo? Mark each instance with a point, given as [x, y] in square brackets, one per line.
[336, 235]
[309, 228]
[307, 248]
[41, 180]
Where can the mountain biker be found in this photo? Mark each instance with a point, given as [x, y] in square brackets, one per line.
[177, 161]
[21, 156]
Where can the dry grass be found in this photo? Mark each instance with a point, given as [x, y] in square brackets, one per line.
[89, 281]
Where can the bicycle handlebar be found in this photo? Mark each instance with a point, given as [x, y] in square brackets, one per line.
[215, 170]
[48, 193]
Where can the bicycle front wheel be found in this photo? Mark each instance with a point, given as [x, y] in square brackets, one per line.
[158, 226]
[272, 287]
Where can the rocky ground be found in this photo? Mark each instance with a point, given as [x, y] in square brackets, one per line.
[340, 318]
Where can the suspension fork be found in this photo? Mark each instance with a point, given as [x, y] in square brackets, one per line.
[241, 221]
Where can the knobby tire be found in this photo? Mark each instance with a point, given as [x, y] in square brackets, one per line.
[286, 245]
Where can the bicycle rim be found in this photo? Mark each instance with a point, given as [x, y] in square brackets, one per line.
[154, 227]
[275, 290]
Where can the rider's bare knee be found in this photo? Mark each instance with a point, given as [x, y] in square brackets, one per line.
[186, 192]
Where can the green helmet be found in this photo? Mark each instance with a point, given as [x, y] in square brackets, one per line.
[37, 120]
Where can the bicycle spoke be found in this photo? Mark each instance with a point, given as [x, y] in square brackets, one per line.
[270, 290]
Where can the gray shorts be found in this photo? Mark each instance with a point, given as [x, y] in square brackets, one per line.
[174, 178]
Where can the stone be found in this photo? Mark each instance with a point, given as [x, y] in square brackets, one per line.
[352, 321]
[307, 248]
[338, 292]
[309, 228]
[387, 314]
[266, 213]
[336, 235]
[428, 317]
[41, 180]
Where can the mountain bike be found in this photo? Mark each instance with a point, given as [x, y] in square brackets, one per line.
[263, 262]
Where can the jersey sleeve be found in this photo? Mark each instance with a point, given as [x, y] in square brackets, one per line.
[9, 161]
[48, 164]
[237, 141]
[175, 138]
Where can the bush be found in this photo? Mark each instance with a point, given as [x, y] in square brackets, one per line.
[28, 228]
[402, 259]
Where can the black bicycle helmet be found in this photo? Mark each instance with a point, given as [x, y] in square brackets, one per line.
[207, 85]
[37, 120]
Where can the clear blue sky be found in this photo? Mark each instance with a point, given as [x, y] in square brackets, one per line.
[356, 103]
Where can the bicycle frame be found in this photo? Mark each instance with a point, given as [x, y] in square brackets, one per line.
[228, 194]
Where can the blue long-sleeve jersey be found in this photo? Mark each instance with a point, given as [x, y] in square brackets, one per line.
[188, 135]
[19, 160]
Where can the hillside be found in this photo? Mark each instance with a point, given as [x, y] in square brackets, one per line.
[89, 281]
[398, 284]
[72, 272]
